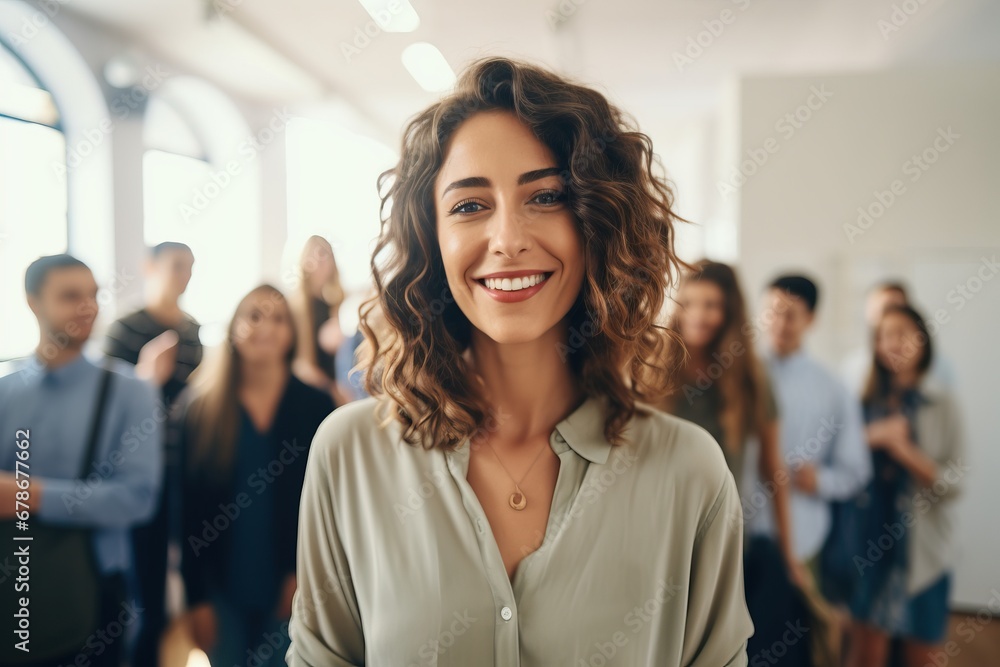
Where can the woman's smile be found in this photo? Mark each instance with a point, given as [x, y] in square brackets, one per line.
[514, 286]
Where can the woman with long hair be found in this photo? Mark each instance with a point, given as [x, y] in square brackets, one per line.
[915, 434]
[245, 427]
[725, 390]
[316, 307]
[506, 495]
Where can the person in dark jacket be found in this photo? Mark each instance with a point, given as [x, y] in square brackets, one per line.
[162, 342]
[245, 427]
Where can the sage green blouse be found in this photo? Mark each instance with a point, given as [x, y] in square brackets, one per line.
[640, 564]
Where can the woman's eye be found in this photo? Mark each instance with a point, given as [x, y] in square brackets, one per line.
[549, 198]
[465, 207]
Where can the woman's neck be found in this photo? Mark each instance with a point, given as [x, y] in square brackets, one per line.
[905, 379]
[528, 387]
[263, 376]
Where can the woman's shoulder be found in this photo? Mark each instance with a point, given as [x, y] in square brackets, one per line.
[353, 430]
[938, 402]
[934, 391]
[682, 452]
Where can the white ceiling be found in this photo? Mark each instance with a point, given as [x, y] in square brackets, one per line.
[290, 51]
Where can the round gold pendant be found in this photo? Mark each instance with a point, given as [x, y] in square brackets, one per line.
[518, 501]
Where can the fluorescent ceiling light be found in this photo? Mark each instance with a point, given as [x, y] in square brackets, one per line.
[426, 64]
[392, 15]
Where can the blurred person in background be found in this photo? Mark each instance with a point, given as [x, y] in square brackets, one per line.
[246, 425]
[352, 380]
[159, 330]
[316, 306]
[727, 392]
[63, 405]
[349, 372]
[822, 436]
[167, 272]
[917, 451]
[857, 365]
[823, 446]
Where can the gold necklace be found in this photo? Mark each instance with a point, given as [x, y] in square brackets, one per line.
[517, 500]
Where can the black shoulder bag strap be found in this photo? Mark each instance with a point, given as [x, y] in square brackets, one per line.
[95, 425]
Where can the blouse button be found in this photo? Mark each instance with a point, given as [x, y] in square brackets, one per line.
[559, 438]
[479, 525]
[506, 613]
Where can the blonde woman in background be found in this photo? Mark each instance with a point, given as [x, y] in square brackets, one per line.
[316, 308]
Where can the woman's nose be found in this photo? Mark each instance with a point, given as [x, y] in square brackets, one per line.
[509, 235]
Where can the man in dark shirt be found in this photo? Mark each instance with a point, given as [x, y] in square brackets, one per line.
[163, 332]
[168, 271]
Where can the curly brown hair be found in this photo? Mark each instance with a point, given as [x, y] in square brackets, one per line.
[415, 333]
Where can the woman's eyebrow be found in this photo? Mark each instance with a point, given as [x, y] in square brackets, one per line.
[483, 182]
[471, 182]
[529, 176]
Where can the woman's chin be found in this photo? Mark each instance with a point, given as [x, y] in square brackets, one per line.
[513, 335]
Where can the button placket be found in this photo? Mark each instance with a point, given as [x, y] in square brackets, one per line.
[562, 498]
[507, 644]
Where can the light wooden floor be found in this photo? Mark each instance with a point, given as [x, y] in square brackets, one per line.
[977, 643]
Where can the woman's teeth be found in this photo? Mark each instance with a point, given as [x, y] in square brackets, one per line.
[514, 284]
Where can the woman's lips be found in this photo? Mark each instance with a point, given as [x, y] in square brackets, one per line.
[514, 296]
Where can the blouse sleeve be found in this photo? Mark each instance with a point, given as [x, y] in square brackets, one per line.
[325, 626]
[951, 466]
[718, 622]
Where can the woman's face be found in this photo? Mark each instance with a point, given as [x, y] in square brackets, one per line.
[512, 253]
[263, 331]
[702, 312]
[899, 343]
[318, 264]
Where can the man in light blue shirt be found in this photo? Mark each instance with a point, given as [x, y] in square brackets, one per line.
[822, 434]
[52, 397]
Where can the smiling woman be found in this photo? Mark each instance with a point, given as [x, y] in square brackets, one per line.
[507, 496]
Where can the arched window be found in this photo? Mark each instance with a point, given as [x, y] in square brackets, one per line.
[55, 163]
[201, 184]
[332, 192]
[32, 194]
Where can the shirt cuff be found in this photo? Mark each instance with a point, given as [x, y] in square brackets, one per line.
[58, 503]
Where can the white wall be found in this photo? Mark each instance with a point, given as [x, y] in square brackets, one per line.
[797, 209]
